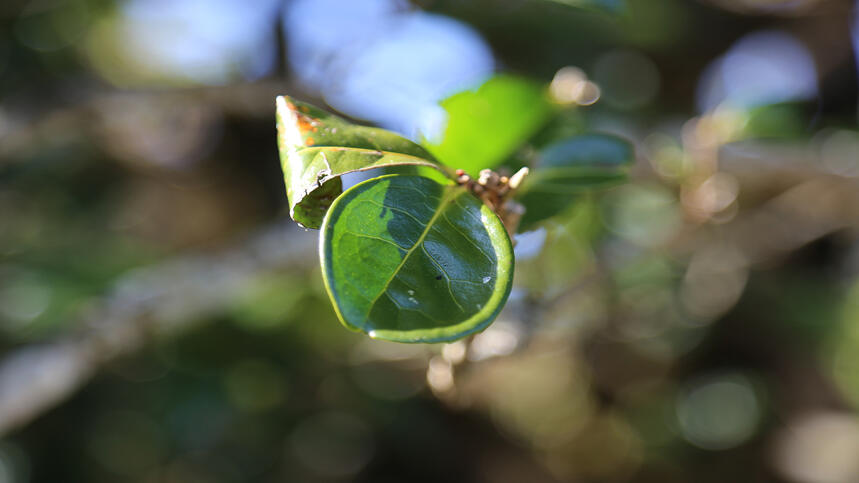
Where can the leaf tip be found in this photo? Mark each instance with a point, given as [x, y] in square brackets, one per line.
[281, 106]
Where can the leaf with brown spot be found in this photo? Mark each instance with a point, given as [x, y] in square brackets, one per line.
[317, 148]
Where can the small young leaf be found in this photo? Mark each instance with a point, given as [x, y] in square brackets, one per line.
[569, 168]
[484, 127]
[316, 148]
[407, 259]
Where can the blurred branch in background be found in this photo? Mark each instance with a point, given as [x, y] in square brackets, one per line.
[812, 203]
[148, 302]
[152, 127]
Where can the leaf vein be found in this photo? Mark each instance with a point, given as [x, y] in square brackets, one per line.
[371, 237]
[420, 311]
[449, 196]
[392, 208]
[465, 209]
[467, 238]
[412, 188]
[446, 277]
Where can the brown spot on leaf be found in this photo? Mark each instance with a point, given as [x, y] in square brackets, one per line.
[306, 124]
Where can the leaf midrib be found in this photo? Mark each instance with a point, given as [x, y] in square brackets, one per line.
[448, 197]
[374, 152]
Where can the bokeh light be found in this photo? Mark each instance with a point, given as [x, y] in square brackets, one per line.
[381, 61]
[819, 448]
[719, 412]
[644, 215]
[761, 68]
[185, 42]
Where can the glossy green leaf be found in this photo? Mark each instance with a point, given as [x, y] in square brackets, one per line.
[407, 259]
[486, 126]
[317, 147]
[569, 168]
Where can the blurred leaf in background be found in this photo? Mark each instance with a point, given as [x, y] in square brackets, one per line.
[482, 128]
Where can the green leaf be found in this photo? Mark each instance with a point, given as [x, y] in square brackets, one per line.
[775, 121]
[569, 168]
[317, 147]
[407, 259]
[484, 127]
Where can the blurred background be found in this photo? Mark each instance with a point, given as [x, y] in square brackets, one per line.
[163, 320]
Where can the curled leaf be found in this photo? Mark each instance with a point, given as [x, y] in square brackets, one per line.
[317, 148]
